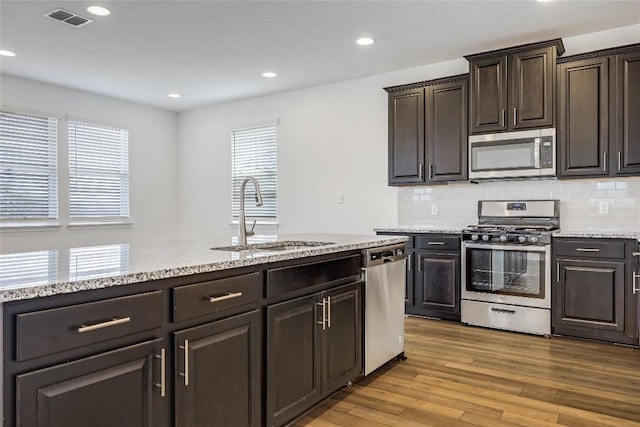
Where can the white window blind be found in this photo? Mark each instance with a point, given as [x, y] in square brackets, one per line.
[98, 172]
[98, 261]
[28, 166]
[35, 268]
[254, 153]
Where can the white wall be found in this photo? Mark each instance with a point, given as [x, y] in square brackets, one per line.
[332, 139]
[153, 153]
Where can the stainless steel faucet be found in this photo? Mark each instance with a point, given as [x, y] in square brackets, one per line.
[241, 219]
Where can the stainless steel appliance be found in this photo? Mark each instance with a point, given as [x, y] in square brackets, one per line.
[384, 278]
[523, 154]
[506, 265]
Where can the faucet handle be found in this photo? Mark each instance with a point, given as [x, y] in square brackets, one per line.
[251, 232]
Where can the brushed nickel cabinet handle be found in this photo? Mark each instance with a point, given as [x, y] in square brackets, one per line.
[185, 374]
[504, 117]
[163, 373]
[436, 243]
[430, 171]
[587, 250]
[324, 312]
[328, 312]
[230, 295]
[635, 285]
[410, 263]
[604, 161]
[113, 322]
[619, 160]
[557, 272]
[515, 115]
[420, 171]
[635, 253]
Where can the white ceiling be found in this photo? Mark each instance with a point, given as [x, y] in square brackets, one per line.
[215, 51]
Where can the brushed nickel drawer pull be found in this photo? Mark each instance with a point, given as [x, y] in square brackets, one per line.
[635, 253]
[557, 272]
[619, 160]
[420, 171]
[230, 295]
[588, 250]
[163, 374]
[185, 347]
[515, 116]
[604, 161]
[328, 312]
[113, 322]
[436, 243]
[635, 280]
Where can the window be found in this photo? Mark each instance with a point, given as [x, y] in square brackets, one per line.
[98, 172]
[28, 166]
[254, 153]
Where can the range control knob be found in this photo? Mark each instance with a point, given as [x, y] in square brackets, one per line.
[485, 237]
[474, 237]
[522, 239]
[533, 239]
[503, 238]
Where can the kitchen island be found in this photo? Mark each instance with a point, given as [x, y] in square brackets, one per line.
[179, 334]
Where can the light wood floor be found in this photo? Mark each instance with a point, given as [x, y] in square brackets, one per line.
[458, 375]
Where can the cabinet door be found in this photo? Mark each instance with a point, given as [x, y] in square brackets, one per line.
[488, 107]
[342, 337]
[628, 138]
[111, 389]
[406, 137]
[583, 121]
[218, 373]
[438, 285]
[532, 85]
[447, 136]
[293, 366]
[589, 300]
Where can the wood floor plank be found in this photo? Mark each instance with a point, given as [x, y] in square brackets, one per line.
[458, 375]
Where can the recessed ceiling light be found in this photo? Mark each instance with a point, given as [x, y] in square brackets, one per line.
[269, 74]
[98, 11]
[7, 53]
[365, 41]
[175, 95]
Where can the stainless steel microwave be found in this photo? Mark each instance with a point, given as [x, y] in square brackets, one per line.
[523, 154]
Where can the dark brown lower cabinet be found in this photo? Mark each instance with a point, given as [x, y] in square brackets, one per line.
[437, 285]
[313, 348]
[217, 380]
[116, 388]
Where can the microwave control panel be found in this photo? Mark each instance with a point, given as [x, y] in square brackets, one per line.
[546, 154]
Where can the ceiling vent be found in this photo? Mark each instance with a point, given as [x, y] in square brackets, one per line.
[68, 17]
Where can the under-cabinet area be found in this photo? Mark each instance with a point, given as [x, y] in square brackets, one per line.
[248, 346]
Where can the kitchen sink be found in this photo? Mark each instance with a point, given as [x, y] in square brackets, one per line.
[287, 245]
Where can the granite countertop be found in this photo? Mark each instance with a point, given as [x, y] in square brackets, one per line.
[420, 229]
[35, 274]
[599, 234]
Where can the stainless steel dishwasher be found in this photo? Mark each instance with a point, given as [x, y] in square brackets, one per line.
[384, 278]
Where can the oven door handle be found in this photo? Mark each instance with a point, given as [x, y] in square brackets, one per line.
[491, 246]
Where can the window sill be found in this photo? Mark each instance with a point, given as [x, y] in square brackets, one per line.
[29, 226]
[92, 225]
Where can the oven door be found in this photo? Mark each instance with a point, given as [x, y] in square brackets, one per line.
[507, 274]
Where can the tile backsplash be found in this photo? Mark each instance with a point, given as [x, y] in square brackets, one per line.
[582, 202]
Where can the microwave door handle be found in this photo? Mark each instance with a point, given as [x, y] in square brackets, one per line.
[536, 153]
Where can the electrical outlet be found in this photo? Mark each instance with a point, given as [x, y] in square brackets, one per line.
[340, 198]
[434, 209]
[603, 207]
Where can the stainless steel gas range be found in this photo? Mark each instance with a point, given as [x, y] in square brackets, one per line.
[506, 265]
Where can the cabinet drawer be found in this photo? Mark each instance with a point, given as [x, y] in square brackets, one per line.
[216, 296]
[590, 248]
[289, 279]
[45, 332]
[438, 242]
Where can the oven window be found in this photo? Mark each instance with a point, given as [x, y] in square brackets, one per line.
[507, 272]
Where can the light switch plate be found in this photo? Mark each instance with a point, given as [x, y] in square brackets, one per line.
[434, 209]
[603, 207]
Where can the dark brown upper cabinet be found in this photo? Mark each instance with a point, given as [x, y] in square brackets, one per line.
[428, 131]
[513, 88]
[598, 103]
